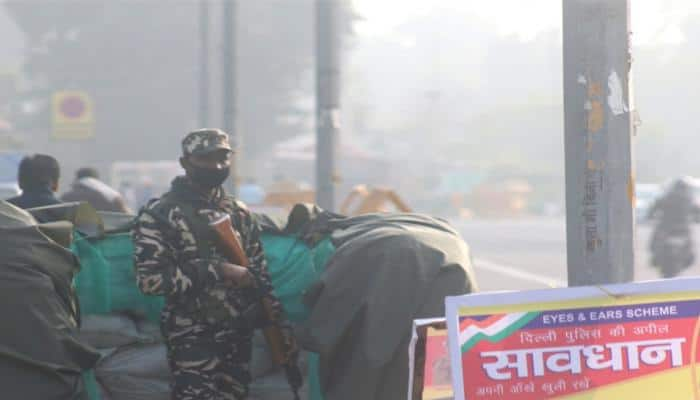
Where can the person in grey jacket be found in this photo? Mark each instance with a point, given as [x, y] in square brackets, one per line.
[88, 187]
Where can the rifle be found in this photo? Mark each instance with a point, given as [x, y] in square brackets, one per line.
[232, 249]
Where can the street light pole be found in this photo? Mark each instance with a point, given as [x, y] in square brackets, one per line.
[328, 40]
[203, 63]
[229, 85]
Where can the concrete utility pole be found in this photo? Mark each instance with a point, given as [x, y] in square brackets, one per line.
[229, 85]
[203, 63]
[598, 139]
[328, 40]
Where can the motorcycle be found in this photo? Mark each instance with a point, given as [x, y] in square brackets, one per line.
[672, 245]
[672, 252]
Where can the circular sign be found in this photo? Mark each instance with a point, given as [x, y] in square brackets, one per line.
[72, 107]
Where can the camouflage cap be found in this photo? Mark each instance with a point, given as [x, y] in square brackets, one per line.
[205, 141]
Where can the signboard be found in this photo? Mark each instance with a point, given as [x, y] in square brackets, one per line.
[429, 361]
[72, 115]
[630, 341]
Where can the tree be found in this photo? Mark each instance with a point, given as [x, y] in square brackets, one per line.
[139, 62]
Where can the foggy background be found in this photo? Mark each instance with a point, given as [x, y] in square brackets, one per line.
[437, 97]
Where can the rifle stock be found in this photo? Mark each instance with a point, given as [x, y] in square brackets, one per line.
[232, 249]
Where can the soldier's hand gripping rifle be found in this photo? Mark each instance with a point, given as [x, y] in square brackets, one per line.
[232, 249]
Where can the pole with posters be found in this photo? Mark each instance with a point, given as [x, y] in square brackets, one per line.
[600, 181]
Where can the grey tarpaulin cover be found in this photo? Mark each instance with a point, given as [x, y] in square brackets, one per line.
[388, 269]
[40, 356]
[136, 372]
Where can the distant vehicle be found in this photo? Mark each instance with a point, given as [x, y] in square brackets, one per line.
[139, 181]
[674, 254]
[646, 194]
[695, 186]
[671, 245]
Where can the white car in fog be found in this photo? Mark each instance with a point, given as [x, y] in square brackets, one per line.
[9, 162]
[646, 193]
[8, 189]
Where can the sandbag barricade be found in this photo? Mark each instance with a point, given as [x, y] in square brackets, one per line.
[41, 356]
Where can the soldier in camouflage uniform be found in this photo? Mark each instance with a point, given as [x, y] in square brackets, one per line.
[208, 319]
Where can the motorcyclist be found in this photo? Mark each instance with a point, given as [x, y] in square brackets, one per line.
[675, 211]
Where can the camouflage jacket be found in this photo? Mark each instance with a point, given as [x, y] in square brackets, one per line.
[169, 260]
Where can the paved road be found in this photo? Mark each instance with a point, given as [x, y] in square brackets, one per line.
[531, 253]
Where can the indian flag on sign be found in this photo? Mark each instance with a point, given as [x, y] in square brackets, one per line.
[494, 328]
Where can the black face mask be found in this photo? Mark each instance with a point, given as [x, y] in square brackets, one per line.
[208, 178]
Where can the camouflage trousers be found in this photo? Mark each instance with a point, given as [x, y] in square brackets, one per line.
[209, 363]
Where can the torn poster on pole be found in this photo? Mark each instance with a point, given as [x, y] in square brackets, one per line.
[626, 341]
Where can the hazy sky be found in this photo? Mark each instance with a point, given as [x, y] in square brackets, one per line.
[12, 46]
[406, 50]
[654, 22]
